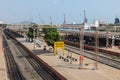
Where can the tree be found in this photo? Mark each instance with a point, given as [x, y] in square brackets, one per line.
[30, 34]
[51, 35]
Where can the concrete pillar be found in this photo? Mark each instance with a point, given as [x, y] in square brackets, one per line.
[113, 41]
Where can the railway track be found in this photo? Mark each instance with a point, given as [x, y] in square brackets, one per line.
[46, 73]
[92, 48]
[39, 69]
[103, 59]
[12, 68]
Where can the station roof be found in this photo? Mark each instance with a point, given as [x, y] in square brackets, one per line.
[102, 34]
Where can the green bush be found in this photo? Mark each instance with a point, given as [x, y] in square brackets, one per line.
[51, 35]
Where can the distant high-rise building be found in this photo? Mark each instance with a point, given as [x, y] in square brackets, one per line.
[117, 21]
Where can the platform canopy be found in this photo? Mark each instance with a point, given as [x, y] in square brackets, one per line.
[102, 34]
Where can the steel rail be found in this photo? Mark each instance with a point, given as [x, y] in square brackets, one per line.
[12, 68]
[103, 59]
[42, 68]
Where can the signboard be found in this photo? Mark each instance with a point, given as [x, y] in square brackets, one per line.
[58, 45]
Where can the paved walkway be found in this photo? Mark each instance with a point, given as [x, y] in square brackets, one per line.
[2, 64]
[71, 71]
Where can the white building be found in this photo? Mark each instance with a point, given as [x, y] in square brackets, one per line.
[1, 22]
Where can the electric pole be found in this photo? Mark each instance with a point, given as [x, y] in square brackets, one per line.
[81, 47]
[107, 39]
[64, 21]
[85, 19]
[96, 49]
[51, 21]
[82, 41]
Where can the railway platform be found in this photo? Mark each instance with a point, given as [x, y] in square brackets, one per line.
[71, 71]
[114, 49]
[2, 62]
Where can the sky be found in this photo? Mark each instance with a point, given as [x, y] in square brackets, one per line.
[39, 11]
